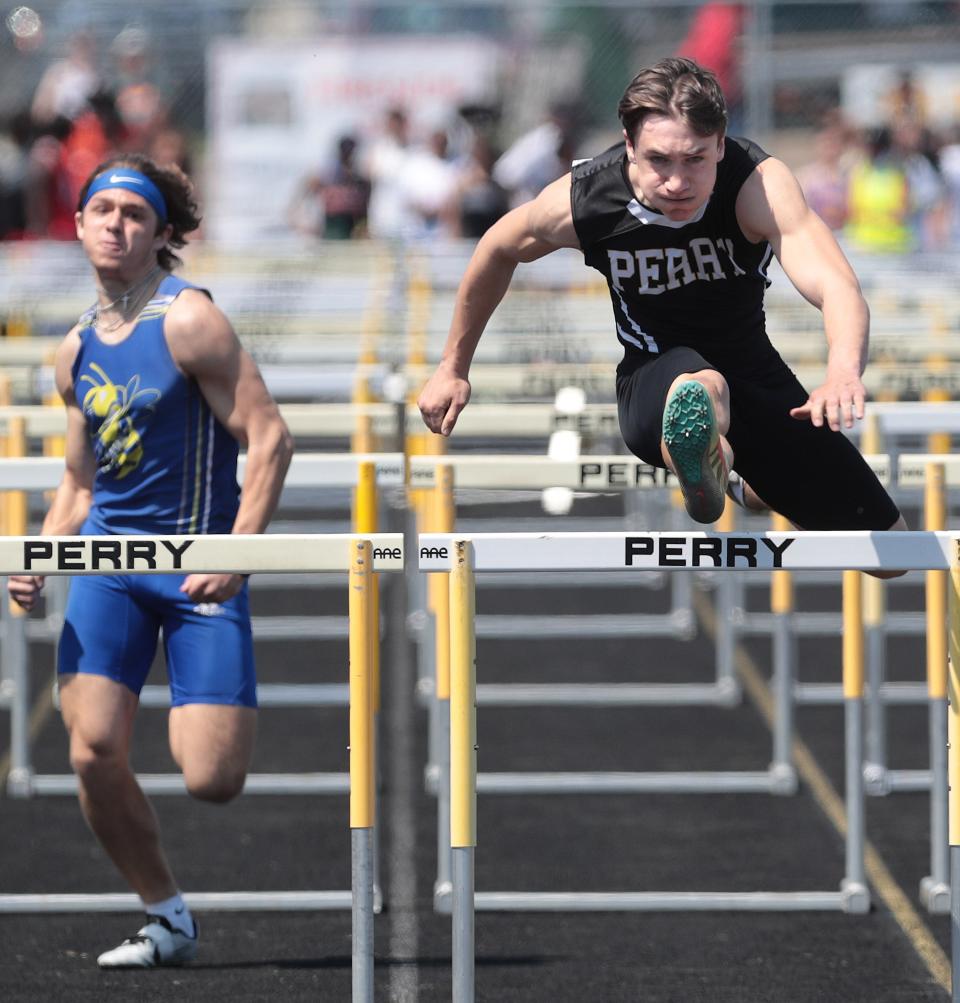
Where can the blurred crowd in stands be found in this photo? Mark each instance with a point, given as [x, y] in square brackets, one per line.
[84, 109]
[449, 182]
[894, 188]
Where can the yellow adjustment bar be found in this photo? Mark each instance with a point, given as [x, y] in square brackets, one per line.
[953, 698]
[938, 442]
[5, 399]
[365, 499]
[365, 520]
[54, 445]
[935, 518]
[463, 700]
[853, 656]
[16, 500]
[781, 582]
[727, 522]
[362, 440]
[439, 583]
[361, 689]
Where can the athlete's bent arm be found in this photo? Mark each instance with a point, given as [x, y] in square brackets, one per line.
[204, 345]
[528, 232]
[71, 501]
[771, 206]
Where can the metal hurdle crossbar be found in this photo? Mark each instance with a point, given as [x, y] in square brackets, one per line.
[361, 557]
[361, 471]
[462, 557]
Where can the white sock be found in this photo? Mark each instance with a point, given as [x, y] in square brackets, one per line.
[174, 910]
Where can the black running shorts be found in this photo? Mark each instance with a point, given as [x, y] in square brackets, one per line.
[813, 476]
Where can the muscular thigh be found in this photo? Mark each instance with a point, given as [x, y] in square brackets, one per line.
[107, 631]
[813, 476]
[208, 646]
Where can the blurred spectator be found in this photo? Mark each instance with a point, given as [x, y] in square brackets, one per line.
[539, 156]
[910, 144]
[386, 157]
[140, 104]
[905, 100]
[712, 41]
[427, 185]
[479, 201]
[878, 199]
[15, 141]
[61, 159]
[169, 147]
[950, 169]
[47, 208]
[68, 83]
[333, 204]
[826, 178]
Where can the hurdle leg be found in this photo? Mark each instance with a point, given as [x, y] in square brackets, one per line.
[856, 896]
[463, 768]
[875, 767]
[16, 656]
[362, 782]
[953, 738]
[783, 776]
[935, 888]
[726, 602]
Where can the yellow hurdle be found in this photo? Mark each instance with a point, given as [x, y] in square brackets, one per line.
[438, 585]
[935, 518]
[362, 811]
[15, 512]
[853, 648]
[781, 582]
[366, 520]
[463, 700]
[953, 698]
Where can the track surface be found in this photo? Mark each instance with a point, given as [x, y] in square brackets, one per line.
[586, 842]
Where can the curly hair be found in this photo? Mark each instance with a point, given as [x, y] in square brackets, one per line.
[183, 214]
[678, 88]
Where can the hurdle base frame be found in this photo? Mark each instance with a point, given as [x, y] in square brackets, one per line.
[278, 901]
[853, 898]
[23, 783]
[935, 895]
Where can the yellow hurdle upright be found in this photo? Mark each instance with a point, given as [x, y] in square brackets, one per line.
[935, 887]
[362, 810]
[463, 766]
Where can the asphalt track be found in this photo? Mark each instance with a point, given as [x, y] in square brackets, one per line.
[894, 954]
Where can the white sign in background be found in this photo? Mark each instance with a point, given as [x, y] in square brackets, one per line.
[276, 110]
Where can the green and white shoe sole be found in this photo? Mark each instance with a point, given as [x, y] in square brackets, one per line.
[691, 437]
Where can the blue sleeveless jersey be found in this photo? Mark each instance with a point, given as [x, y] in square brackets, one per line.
[164, 463]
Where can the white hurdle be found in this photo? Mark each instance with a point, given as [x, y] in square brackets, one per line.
[361, 557]
[312, 470]
[463, 556]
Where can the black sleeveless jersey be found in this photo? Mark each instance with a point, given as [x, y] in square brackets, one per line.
[697, 283]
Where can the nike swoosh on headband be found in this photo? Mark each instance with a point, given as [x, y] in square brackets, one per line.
[117, 178]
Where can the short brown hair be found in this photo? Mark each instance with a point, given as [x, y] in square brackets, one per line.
[679, 88]
[183, 214]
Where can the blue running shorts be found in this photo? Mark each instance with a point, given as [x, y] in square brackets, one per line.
[112, 624]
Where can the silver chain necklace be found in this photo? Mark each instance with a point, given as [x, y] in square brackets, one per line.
[123, 301]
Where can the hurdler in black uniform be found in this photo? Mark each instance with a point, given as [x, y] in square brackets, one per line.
[688, 296]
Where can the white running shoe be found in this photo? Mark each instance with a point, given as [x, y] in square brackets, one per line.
[154, 945]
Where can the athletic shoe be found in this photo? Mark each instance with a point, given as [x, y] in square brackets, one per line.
[693, 442]
[155, 945]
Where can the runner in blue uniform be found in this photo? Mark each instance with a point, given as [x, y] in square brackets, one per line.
[159, 396]
[682, 220]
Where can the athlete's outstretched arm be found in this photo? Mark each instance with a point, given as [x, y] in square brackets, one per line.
[528, 232]
[71, 500]
[204, 345]
[771, 205]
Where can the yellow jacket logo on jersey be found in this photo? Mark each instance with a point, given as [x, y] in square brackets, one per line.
[118, 445]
